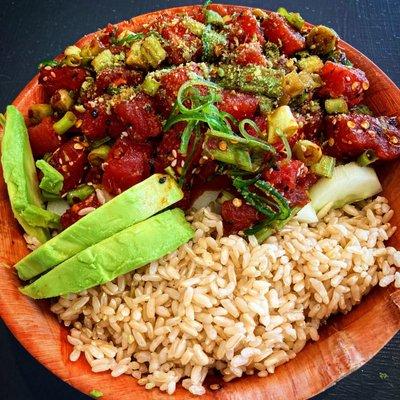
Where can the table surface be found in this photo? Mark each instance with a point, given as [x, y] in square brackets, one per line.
[32, 31]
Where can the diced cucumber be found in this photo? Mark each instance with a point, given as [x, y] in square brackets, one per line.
[348, 184]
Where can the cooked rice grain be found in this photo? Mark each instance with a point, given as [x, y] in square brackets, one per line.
[231, 304]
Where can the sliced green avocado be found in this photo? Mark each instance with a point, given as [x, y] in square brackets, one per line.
[134, 205]
[20, 176]
[129, 249]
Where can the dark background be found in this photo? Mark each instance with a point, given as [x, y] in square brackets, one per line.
[31, 31]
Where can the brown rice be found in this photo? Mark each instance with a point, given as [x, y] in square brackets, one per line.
[230, 303]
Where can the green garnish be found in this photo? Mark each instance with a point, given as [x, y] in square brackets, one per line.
[273, 205]
[324, 167]
[294, 19]
[285, 142]
[80, 193]
[128, 39]
[366, 158]
[48, 63]
[65, 123]
[52, 181]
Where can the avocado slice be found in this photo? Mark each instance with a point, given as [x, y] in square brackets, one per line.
[129, 249]
[134, 205]
[20, 176]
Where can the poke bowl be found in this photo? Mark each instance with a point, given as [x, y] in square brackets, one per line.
[215, 308]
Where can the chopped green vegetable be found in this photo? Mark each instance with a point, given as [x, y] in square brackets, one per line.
[103, 60]
[62, 100]
[366, 158]
[348, 184]
[213, 18]
[65, 123]
[126, 38]
[311, 64]
[253, 79]
[274, 206]
[52, 181]
[96, 394]
[196, 27]
[324, 167]
[308, 152]
[285, 142]
[152, 51]
[339, 56]
[150, 85]
[80, 193]
[321, 40]
[37, 112]
[99, 154]
[294, 19]
[48, 63]
[266, 105]
[336, 106]
[211, 41]
[264, 230]
[135, 57]
[272, 51]
[361, 109]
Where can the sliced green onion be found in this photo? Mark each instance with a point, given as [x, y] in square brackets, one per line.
[274, 206]
[362, 109]
[37, 112]
[48, 63]
[324, 167]
[65, 123]
[285, 142]
[99, 154]
[336, 106]
[189, 158]
[366, 158]
[233, 155]
[170, 171]
[308, 152]
[201, 100]
[128, 39]
[185, 138]
[265, 229]
[252, 141]
[81, 193]
[97, 143]
[294, 19]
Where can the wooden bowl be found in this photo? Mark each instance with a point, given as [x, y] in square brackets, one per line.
[347, 341]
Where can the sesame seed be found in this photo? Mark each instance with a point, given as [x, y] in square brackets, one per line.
[174, 162]
[331, 141]
[174, 153]
[222, 145]
[78, 123]
[365, 85]
[237, 202]
[351, 124]
[365, 124]
[78, 146]
[215, 386]
[394, 140]
[355, 85]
